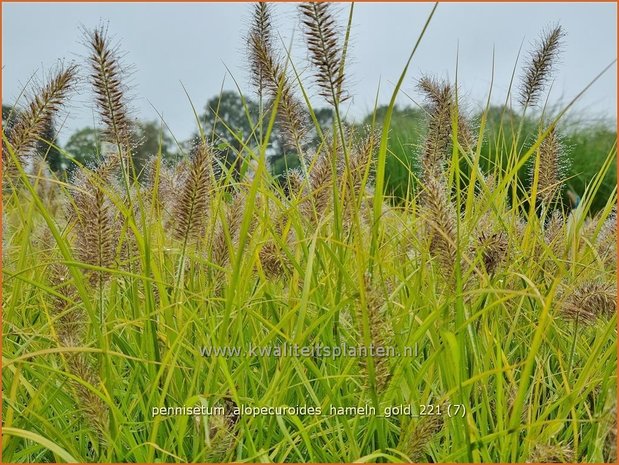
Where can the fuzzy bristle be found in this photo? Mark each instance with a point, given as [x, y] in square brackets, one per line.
[260, 45]
[589, 301]
[325, 50]
[220, 432]
[94, 408]
[191, 209]
[538, 70]
[227, 231]
[293, 183]
[273, 260]
[270, 78]
[70, 323]
[97, 232]
[416, 445]
[441, 105]
[361, 160]
[38, 115]
[163, 182]
[551, 454]
[381, 333]
[106, 77]
[435, 148]
[494, 248]
[554, 233]
[606, 243]
[440, 217]
[551, 168]
[321, 178]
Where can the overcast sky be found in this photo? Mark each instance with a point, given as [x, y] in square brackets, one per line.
[171, 45]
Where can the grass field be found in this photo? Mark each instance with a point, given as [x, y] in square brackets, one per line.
[481, 302]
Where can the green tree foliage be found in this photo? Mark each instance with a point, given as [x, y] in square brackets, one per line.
[8, 117]
[84, 146]
[585, 149]
[408, 128]
[233, 122]
[152, 141]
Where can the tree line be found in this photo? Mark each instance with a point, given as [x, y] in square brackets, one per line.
[230, 121]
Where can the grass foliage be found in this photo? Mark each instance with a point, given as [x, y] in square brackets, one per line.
[114, 282]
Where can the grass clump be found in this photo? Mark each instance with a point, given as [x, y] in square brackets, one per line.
[126, 294]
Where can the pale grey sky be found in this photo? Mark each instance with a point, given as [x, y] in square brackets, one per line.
[167, 44]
